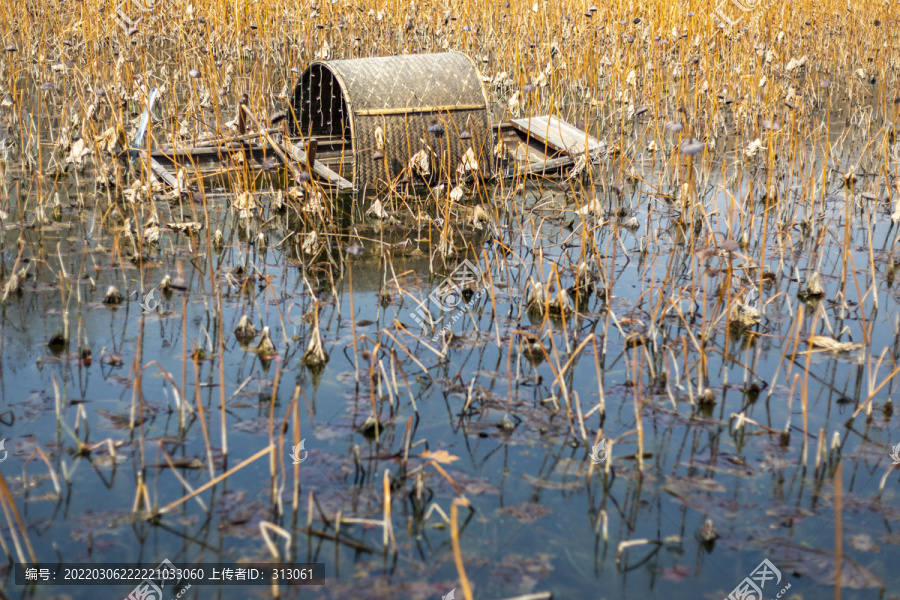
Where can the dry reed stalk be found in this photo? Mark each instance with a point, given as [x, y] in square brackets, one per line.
[141, 497]
[387, 525]
[17, 529]
[638, 414]
[293, 412]
[213, 482]
[181, 478]
[457, 553]
[274, 456]
[200, 411]
[838, 528]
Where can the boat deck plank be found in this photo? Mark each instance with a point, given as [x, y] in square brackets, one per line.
[557, 134]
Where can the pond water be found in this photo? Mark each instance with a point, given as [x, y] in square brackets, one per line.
[722, 446]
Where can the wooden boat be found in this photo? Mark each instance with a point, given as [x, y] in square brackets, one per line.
[357, 125]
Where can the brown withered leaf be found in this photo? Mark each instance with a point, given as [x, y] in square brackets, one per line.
[831, 344]
[552, 485]
[526, 512]
[473, 485]
[185, 226]
[685, 486]
[118, 421]
[439, 456]
[520, 573]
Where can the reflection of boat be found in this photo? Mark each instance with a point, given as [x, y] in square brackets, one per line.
[357, 124]
[410, 249]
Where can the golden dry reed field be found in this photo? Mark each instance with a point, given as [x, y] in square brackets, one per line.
[767, 77]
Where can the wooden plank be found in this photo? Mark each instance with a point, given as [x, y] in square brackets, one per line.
[539, 168]
[319, 169]
[312, 146]
[300, 156]
[329, 140]
[145, 120]
[241, 121]
[235, 138]
[295, 171]
[548, 166]
[526, 153]
[158, 170]
[557, 134]
[337, 164]
[326, 164]
[412, 110]
[521, 149]
[204, 154]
